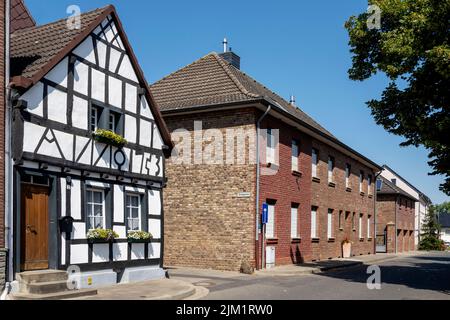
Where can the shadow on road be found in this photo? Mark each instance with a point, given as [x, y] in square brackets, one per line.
[431, 274]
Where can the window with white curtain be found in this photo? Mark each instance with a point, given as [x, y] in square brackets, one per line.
[360, 226]
[95, 209]
[314, 223]
[270, 150]
[348, 169]
[330, 169]
[315, 160]
[330, 224]
[295, 154]
[368, 228]
[133, 212]
[270, 226]
[294, 221]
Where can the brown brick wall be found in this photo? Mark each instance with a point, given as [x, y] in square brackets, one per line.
[206, 224]
[404, 222]
[2, 124]
[339, 199]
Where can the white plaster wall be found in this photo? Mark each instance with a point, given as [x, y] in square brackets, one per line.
[33, 134]
[98, 85]
[121, 231]
[154, 251]
[126, 69]
[65, 141]
[120, 251]
[81, 77]
[118, 204]
[79, 253]
[137, 251]
[59, 73]
[157, 140]
[101, 49]
[130, 128]
[154, 202]
[79, 230]
[34, 99]
[146, 133]
[114, 60]
[86, 50]
[80, 113]
[115, 92]
[57, 105]
[75, 196]
[145, 108]
[130, 98]
[79, 146]
[154, 227]
[100, 253]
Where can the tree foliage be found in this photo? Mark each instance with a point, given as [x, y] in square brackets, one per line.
[412, 48]
[429, 238]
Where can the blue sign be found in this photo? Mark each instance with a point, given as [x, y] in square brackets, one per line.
[265, 213]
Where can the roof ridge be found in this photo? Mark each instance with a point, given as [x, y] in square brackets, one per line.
[60, 20]
[236, 81]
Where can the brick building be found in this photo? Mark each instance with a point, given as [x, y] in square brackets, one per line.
[318, 190]
[395, 218]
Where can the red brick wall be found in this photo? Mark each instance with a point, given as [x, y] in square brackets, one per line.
[386, 207]
[2, 123]
[286, 189]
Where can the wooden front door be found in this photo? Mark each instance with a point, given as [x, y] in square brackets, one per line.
[34, 218]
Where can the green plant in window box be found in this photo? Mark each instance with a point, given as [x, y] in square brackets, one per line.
[101, 235]
[139, 236]
[110, 138]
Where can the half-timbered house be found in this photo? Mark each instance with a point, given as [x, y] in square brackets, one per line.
[70, 81]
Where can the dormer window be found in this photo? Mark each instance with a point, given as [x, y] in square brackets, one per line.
[104, 117]
[95, 118]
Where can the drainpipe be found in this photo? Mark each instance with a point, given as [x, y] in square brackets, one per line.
[375, 194]
[396, 223]
[258, 171]
[8, 161]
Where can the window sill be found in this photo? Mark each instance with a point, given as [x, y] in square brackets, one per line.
[341, 229]
[361, 239]
[369, 239]
[297, 173]
[272, 166]
[296, 240]
[330, 240]
[348, 189]
[272, 241]
[332, 184]
[315, 179]
[370, 196]
[315, 240]
[362, 194]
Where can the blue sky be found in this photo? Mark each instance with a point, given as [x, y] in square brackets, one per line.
[293, 47]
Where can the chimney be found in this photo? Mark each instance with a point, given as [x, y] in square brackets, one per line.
[229, 56]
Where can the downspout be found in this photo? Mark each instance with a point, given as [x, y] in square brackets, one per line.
[8, 161]
[375, 211]
[396, 222]
[258, 172]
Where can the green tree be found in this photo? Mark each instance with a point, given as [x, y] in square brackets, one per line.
[412, 48]
[429, 238]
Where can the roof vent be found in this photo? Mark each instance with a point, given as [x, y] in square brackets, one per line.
[292, 100]
[230, 56]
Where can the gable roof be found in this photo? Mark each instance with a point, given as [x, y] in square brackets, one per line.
[389, 188]
[212, 82]
[426, 198]
[37, 50]
[20, 17]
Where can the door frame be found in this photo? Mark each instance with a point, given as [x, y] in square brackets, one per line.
[54, 208]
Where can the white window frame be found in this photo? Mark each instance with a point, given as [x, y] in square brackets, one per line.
[128, 210]
[270, 146]
[294, 222]
[330, 224]
[90, 209]
[314, 223]
[315, 161]
[361, 226]
[295, 155]
[361, 181]
[330, 169]
[347, 175]
[112, 124]
[368, 228]
[94, 116]
[270, 226]
[369, 184]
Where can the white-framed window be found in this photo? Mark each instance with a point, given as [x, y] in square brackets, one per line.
[330, 168]
[112, 122]
[361, 226]
[330, 224]
[369, 184]
[353, 221]
[315, 161]
[368, 228]
[94, 118]
[295, 154]
[294, 221]
[314, 223]
[348, 169]
[133, 212]
[270, 226]
[270, 150]
[361, 181]
[95, 209]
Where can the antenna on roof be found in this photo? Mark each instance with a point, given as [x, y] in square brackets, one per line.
[225, 45]
[292, 100]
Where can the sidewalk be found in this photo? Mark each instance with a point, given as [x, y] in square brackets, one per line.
[164, 289]
[329, 265]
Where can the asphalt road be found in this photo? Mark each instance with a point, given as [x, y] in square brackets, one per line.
[405, 278]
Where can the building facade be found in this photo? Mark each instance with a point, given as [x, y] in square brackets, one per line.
[395, 219]
[444, 222]
[77, 93]
[265, 151]
[422, 204]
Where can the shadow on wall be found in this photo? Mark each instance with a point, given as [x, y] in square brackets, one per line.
[296, 256]
[431, 274]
